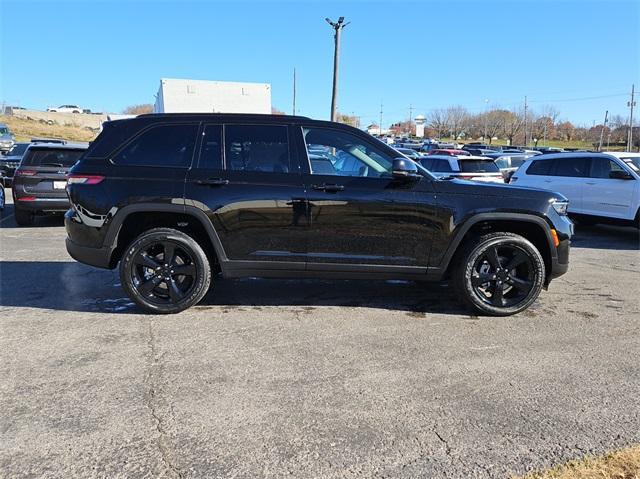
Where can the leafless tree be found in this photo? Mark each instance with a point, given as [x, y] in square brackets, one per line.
[439, 121]
[138, 109]
[458, 120]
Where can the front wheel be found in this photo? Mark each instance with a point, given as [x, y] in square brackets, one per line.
[165, 271]
[499, 274]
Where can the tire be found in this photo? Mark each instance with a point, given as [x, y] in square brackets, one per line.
[24, 217]
[156, 287]
[499, 274]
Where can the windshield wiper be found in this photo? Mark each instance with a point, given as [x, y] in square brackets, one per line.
[59, 165]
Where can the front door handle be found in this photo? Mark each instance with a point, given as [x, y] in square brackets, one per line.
[213, 182]
[329, 188]
[590, 183]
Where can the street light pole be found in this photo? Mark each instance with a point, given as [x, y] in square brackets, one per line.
[337, 26]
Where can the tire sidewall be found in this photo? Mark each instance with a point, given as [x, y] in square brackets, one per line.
[203, 271]
[478, 250]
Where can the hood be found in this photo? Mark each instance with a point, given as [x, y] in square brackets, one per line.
[464, 187]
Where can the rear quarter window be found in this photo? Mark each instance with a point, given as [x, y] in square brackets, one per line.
[160, 146]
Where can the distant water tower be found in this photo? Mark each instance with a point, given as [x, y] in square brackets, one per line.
[420, 119]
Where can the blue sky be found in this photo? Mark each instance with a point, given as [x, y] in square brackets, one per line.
[581, 57]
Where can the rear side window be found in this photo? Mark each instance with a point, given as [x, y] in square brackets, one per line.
[540, 167]
[263, 148]
[478, 166]
[571, 167]
[52, 157]
[163, 146]
[211, 149]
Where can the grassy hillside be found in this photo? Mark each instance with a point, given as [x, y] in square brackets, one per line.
[25, 129]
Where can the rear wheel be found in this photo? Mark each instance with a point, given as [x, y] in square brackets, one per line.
[24, 217]
[165, 271]
[499, 274]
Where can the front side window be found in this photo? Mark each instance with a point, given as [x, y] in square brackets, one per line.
[571, 167]
[260, 148]
[601, 167]
[339, 153]
[164, 145]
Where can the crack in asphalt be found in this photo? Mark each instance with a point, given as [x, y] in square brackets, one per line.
[447, 448]
[151, 402]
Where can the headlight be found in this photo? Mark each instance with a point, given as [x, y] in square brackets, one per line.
[560, 206]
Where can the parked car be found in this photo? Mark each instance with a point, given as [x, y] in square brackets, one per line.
[6, 139]
[410, 153]
[2, 194]
[508, 163]
[40, 180]
[449, 152]
[11, 161]
[174, 198]
[427, 147]
[600, 187]
[476, 168]
[632, 159]
[66, 109]
[548, 149]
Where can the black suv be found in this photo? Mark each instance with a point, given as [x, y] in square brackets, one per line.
[176, 198]
[39, 182]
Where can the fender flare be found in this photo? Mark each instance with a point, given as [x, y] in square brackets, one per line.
[111, 239]
[464, 228]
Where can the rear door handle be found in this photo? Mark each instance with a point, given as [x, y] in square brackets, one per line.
[329, 188]
[213, 182]
[590, 183]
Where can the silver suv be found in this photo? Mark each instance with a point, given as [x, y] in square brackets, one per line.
[6, 138]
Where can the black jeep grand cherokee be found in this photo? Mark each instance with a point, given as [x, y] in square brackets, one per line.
[175, 198]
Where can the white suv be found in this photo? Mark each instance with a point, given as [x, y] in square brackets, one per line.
[600, 187]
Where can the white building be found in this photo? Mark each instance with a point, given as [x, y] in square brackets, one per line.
[202, 96]
[420, 121]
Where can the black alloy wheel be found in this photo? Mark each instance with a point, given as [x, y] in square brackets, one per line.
[165, 271]
[500, 274]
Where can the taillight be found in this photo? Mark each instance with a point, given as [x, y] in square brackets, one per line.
[84, 179]
[25, 172]
[27, 198]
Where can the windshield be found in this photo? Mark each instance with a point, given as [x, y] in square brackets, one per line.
[479, 166]
[52, 157]
[18, 149]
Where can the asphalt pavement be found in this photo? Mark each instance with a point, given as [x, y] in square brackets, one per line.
[311, 379]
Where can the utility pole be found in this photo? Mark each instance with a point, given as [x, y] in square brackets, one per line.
[631, 104]
[525, 121]
[410, 117]
[380, 127]
[486, 113]
[337, 26]
[604, 126]
[294, 91]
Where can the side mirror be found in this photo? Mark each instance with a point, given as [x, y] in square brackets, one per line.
[620, 175]
[404, 168]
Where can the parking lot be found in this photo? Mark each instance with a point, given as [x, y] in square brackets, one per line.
[311, 378]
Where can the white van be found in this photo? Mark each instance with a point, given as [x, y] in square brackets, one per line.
[601, 187]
